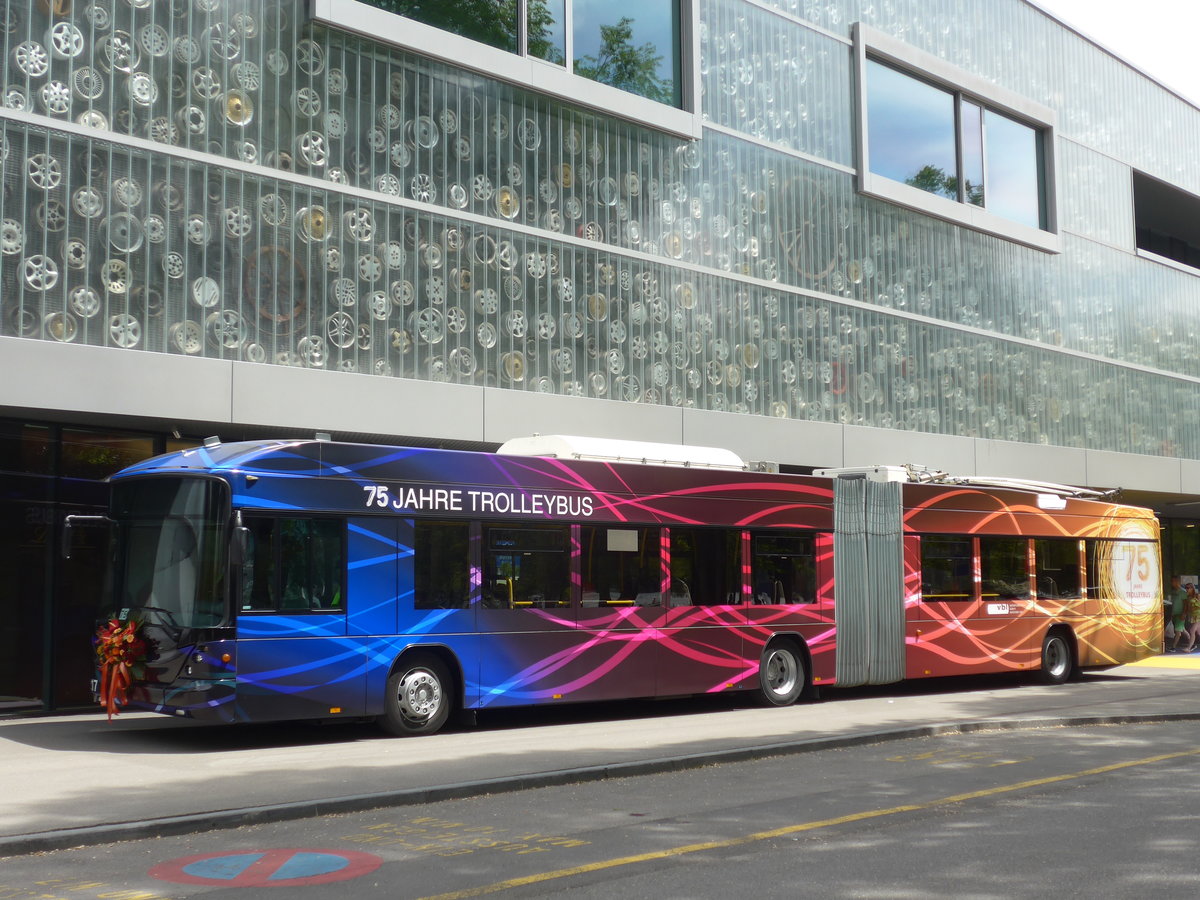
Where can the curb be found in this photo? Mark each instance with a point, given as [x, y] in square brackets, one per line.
[59, 839]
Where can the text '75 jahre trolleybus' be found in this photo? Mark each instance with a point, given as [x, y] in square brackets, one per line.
[306, 579]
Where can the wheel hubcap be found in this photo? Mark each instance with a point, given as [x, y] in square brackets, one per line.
[420, 695]
[781, 672]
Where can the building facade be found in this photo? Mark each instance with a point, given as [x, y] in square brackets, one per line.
[821, 233]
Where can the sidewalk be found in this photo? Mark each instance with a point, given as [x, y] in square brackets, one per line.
[81, 780]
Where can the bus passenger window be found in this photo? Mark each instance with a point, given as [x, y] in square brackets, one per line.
[1004, 568]
[947, 568]
[259, 588]
[785, 569]
[441, 565]
[294, 565]
[705, 564]
[526, 567]
[1057, 569]
[621, 566]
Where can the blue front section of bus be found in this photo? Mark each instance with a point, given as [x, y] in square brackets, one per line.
[336, 664]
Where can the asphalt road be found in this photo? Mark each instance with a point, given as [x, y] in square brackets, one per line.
[70, 780]
[1051, 811]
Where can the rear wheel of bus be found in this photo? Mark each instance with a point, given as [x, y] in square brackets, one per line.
[781, 674]
[1058, 656]
[419, 696]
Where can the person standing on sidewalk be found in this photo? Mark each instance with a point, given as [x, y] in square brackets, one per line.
[1191, 614]
[1173, 608]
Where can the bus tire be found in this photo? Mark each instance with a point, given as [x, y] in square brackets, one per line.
[781, 674]
[418, 698]
[1058, 658]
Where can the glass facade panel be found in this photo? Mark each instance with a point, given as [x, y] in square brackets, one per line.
[910, 131]
[629, 44]
[98, 454]
[26, 448]
[26, 535]
[775, 80]
[1014, 182]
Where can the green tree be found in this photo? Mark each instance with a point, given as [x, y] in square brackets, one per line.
[623, 65]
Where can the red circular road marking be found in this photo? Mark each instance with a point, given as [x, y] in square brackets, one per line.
[267, 868]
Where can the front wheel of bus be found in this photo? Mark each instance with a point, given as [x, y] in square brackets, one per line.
[1058, 661]
[781, 675]
[418, 696]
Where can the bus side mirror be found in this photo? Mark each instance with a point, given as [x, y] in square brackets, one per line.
[239, 547]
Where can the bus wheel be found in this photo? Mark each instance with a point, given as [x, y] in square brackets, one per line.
[418, 696]
[781, 675]
[1058, 661]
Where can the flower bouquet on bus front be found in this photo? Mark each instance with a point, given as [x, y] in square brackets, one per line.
[121, 651]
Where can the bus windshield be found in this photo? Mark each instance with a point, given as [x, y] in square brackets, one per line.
[171, 550]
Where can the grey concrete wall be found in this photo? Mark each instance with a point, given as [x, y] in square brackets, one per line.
[65, 382]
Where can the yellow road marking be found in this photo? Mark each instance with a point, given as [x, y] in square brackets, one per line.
[1174, 661]
[796, 829]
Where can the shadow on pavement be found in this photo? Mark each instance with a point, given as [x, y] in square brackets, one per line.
[150, 734]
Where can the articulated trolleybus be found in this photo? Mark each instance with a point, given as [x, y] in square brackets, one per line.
[306, 579]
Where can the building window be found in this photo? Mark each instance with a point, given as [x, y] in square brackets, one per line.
[944, 142]
[1167, 221]
[590, 52]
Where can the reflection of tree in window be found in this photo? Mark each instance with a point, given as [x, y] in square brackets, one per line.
[441, 565]
[492, 22]
[624, 65]
[638, 54]
[935, 181]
